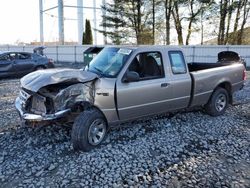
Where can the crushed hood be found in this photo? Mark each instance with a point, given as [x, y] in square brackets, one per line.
[38, 79]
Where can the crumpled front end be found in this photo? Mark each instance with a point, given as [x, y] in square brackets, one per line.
[53, 101]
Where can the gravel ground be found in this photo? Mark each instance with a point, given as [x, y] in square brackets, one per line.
[187, 149]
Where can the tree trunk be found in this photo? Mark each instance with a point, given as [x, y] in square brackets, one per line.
[246, 10]
[190, 22]
[189, 32]
[193, 15]
[168, 9]
[138, 18]
[177, 21]
[237, 18]
[223, 14]
[229, 16]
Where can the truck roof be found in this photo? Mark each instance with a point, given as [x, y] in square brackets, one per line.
[141, 48]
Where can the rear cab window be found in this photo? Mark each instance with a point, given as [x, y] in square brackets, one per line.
[177, 62]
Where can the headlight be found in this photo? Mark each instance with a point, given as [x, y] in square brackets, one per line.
[38, 104]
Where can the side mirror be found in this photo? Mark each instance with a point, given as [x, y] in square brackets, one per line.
[131, 76]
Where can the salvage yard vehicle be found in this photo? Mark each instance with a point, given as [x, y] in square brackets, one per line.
[126, 83]
[21, 63]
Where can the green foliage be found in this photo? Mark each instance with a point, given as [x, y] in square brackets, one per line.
[127, 21]
[113, 21]
[83, 38]
[165, 21]
[87, 35]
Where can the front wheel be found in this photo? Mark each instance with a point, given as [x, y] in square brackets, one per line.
[218, 102]
[89, 130]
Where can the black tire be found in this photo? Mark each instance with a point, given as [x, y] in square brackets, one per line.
[85, 129]
[217, 103]
[24, 123]
[40, 68]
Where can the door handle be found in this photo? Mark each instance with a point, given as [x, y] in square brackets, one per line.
[165, 84]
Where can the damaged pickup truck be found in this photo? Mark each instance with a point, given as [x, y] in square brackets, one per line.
[123, 84]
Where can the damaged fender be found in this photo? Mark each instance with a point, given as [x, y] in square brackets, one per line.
[36, 102]
[73, 94]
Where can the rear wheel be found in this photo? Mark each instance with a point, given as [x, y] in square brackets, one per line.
[89, 130]
[218, 102]
[40, 68]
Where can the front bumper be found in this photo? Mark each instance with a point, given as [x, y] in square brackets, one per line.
[35, 117]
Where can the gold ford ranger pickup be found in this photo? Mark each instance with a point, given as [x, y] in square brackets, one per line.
[126, 83]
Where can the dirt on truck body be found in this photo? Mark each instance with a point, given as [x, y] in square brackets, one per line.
[123, 84]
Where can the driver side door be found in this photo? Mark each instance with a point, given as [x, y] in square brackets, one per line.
[147, 95]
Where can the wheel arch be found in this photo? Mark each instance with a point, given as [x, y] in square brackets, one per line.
[228, 87]
[38, 66]
[86, 105]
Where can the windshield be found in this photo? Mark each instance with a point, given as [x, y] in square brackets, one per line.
[109, 61]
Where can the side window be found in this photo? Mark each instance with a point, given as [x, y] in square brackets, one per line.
[148, 65]
[4, 58]
[23, 56]
[12, 56]
[178, 64]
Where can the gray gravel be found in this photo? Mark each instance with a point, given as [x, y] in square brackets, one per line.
[187, 149]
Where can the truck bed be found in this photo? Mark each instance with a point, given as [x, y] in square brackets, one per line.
[195, 66]
[207, 76]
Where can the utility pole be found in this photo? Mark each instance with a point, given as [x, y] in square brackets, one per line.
[60, 22]
[41, 21]
[80, 20]
[95, 26]
[80, 16]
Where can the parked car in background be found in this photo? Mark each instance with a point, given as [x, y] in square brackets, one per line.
[22, 63]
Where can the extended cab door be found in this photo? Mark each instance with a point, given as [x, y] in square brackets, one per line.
[180, 79]
[157, 90]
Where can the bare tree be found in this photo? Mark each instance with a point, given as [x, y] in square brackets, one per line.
[223, 15]
[153, 3]
[246, 9]
[192, 18]
[168, 10]
[230, 10]
[177, 21]
[236, 23]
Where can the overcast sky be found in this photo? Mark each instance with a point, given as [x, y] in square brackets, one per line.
[20, 20]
